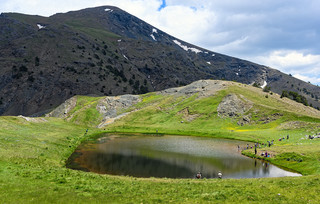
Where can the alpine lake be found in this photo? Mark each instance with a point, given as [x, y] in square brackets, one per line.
[166, 156]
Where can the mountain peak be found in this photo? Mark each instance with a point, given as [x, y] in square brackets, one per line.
[107, 51]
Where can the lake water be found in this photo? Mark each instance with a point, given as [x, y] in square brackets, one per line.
[170, 157]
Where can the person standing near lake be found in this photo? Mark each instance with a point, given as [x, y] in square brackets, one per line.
[219, 175]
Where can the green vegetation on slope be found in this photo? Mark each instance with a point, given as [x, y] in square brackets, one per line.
[85, 112]
[33, 152]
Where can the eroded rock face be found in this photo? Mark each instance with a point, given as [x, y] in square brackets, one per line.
[63, 110]
[111, 107]
[233, 106]
[244, 120]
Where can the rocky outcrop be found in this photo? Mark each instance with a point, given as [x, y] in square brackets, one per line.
[232, 106]
[112, 108]
[63, 110]
[201, 87]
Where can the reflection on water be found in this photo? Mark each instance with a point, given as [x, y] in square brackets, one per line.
[171, 157]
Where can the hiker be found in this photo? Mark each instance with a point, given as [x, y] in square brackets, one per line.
[199, 175]
[287, 137]
[220, 175]
[266, 154]
[255, 151]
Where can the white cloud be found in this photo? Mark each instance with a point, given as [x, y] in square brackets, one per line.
[301, 65]
[313, 80]
[290, 60]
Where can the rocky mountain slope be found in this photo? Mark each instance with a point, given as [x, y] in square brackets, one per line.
[105, 51]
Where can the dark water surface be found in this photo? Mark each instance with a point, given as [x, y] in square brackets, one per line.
[171, 157]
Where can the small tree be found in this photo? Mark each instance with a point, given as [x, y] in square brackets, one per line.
[36, 61]
[284, 94]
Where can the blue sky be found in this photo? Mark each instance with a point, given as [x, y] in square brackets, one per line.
[163, 5]
[280, 34]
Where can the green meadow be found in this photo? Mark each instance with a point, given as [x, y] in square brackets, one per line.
[34, 151]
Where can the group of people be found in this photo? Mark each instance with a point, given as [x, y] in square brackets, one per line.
[199, 175]
[281, 139]
[265, 154]
[258, 145]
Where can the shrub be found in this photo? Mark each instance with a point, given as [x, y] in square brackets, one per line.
[31, 78]
[23, 68]
[256, 85]
[267, 89]
[36, 61]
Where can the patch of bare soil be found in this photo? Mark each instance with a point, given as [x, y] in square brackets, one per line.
[186, 115]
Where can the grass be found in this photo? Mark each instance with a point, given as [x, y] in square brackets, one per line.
[33, 154]
[91, 31]
[85, 112]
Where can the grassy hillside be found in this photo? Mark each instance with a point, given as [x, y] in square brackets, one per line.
[33, 151]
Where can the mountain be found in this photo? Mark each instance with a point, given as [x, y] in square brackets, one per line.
[106, 51]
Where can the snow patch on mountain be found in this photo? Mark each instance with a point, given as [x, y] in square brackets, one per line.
[264, 84]
[186, 48]
[108, 10]
[40, 26]
[153, 37]
[154, 31]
